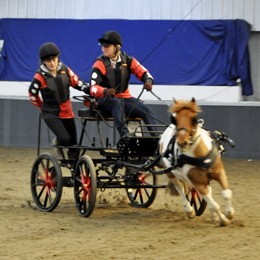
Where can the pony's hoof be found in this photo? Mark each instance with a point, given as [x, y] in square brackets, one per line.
[191, 214]
[224, 221]
[214, 217]
[230, 214]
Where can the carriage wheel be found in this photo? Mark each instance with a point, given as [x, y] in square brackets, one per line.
[144, 196]
[85, 186]
[46, 182]
[196, 201]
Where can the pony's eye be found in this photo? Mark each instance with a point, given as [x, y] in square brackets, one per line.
[194, 120]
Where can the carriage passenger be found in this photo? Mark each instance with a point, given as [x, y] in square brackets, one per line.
[111, 73]
[52, 80]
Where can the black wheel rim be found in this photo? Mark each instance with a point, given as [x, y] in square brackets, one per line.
[85, 186]
[142, 196]
[46, 182]
[196, 201]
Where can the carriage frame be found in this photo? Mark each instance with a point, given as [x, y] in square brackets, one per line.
[133, 166]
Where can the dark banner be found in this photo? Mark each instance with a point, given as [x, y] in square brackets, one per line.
[185, 52]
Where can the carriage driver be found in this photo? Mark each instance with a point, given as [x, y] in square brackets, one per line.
[111, 73]
[53, 79]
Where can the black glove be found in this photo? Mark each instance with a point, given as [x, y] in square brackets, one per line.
[110, 92]
[148, 86]
[86, 88]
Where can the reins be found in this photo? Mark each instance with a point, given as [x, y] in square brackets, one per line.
[113, 127]
[134, 106]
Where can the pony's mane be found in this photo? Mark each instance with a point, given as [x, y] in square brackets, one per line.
[183, 104]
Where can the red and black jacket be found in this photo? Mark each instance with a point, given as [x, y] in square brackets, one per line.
[55, 101]
[105, 75]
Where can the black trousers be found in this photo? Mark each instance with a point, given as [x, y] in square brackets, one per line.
[65, 131]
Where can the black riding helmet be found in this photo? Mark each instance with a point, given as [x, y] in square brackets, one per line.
[48, 51]
[111, 37]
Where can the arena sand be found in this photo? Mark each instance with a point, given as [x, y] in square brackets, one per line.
[115, 230]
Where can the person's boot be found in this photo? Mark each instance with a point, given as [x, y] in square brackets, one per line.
[57, 150]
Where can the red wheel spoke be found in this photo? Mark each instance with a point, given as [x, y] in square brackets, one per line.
[86, 183]
[143, 182]
[193, 195]
[46, 182]
[84, 198]
[85, 186]
[142, 194]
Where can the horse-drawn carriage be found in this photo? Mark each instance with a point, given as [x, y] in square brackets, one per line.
[133, 165]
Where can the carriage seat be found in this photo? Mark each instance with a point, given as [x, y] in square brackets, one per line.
[93, 111]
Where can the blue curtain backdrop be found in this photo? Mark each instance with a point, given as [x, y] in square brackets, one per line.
[186, 52]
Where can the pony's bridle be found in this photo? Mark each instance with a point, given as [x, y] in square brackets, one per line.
[192, 141]
[195, 122]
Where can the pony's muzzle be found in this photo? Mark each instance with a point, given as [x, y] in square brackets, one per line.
[184, 146]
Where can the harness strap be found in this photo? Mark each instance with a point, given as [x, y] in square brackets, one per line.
[209, 176]
[169, 150]
[202, 162]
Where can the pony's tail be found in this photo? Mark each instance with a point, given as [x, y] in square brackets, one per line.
[172, 190]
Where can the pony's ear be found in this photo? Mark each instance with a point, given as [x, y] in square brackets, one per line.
[173, 119]
[175, 101]
[193, 100]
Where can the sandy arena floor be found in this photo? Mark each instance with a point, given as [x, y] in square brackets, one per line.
[116, 230]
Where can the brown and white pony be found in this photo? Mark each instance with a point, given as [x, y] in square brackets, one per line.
[197, 158]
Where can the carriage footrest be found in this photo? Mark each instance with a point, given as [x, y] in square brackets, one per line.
[109, 152]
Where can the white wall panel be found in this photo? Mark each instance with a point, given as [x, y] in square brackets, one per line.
[248, 15]
[207, 10]
[176, 10]
[133, 9]
[197, 10]
[186, 7]
[12, 8]
[31, 9]
[41, 11]
[156, 10]
[238, 8]
[80, 8]
[227, 9]
[256, 15]
[217, 7]
[21, 10]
